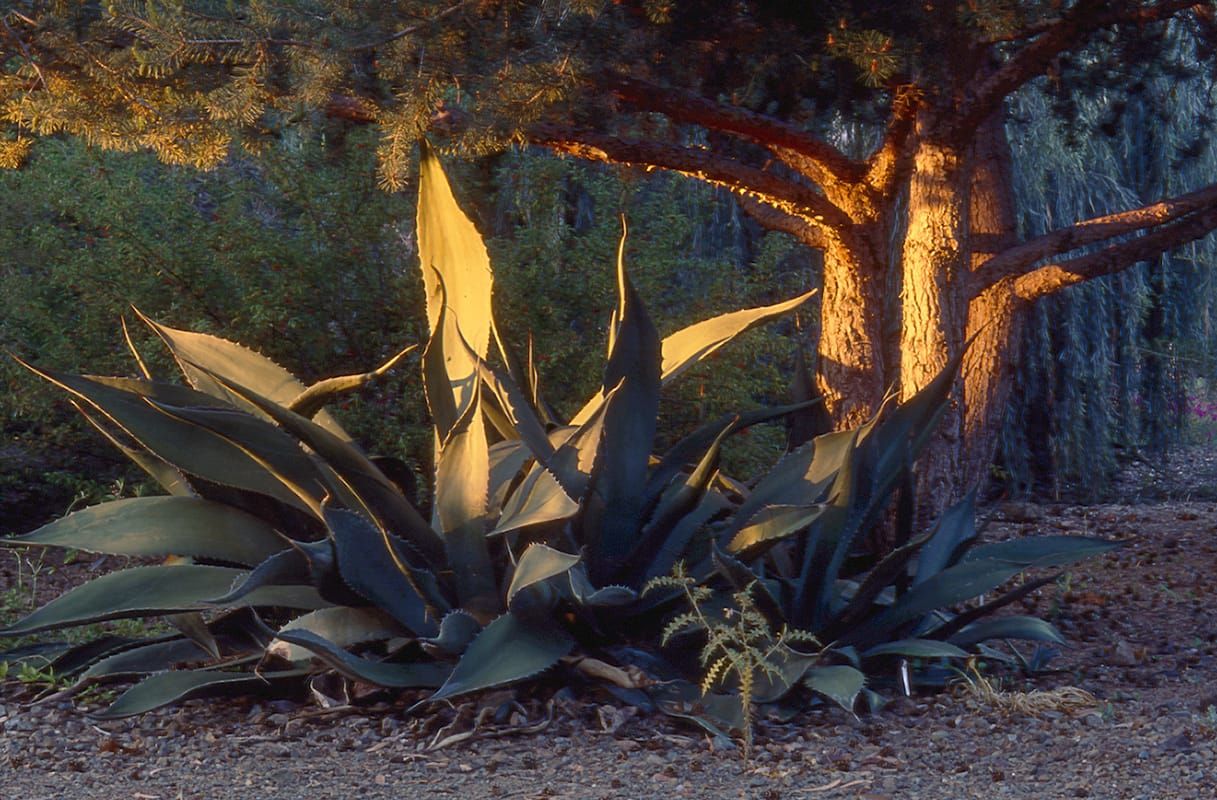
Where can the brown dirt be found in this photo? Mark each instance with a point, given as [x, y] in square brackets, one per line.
[1142, 623]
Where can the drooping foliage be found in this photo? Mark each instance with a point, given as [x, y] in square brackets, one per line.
[1107, 367]
[294, 553]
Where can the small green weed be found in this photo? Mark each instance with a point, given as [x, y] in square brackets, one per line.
[739, 642]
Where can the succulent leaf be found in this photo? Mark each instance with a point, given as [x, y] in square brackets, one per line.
[538, 563]
[165, 688]
[161, 526]
[147, 591]
[202, 356]
[509, 649]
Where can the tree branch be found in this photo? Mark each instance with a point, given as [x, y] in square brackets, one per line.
[774, 219]
[683, 106]
[784, 195]
[893, 160]
[985, 96]
[1051, 278]
[1022, 258]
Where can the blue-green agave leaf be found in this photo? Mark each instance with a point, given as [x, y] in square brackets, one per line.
[148, 591]
[393, 675]
[456, 631]
[373, 563]
[165, 688]
[841, 684]
[509, 649]
[916, 648]
[1012, 627]
[538, 563]
[161, 526]
[1041, 551]
[956, 527]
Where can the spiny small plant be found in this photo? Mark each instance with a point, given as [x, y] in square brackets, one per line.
[740, 642]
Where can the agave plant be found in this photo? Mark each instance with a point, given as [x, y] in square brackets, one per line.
[289, 552]
[793, 545]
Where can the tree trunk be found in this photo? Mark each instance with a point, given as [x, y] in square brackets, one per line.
[935, 277]
[996, 316]
[851, 355]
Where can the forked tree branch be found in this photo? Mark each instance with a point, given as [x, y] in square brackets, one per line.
[765, 187]
[684, 106]
[1053, 277]
[1024, 257]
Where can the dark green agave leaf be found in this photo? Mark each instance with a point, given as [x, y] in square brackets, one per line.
[956, 527]
[147, 591]
[456, 631]
[415, 675]
[161, 526]
[146, 659]
[540, 562]
[373, 563]
[842, 684]
[1041, 551]
[509, 649]
[916, 648]
[1012, 627]
[165, 688]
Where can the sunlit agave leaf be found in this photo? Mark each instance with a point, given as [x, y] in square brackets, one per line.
[456, 274]
[201, 356]
[462, 483]
[538, 563]
[342, 626]
[538, 500]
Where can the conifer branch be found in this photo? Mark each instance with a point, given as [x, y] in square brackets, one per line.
[892, 162]
[1024, 258]
[765, 187]
[684, 106]
[985, 96]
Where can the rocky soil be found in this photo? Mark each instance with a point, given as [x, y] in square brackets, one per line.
[1142, 624]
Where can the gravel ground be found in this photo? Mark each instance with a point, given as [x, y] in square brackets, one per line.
[1141, 623]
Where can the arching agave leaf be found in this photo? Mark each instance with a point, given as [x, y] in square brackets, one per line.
[456, 631]
[917, 648]
[774, 523]
[1041, 551]
[374, 565]
[508, 650]
[690, 345]
[953, 585]
[1011, 627]
[146, 659]
[268, 463]
[202, 356]
[410, 675]
[354, 472]
[955, 528]
[161, 526]
[340, 626]
[538, 500]
[165, 688]
[585, 594]
[539, 562]
[842, 684]
[147, 591]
